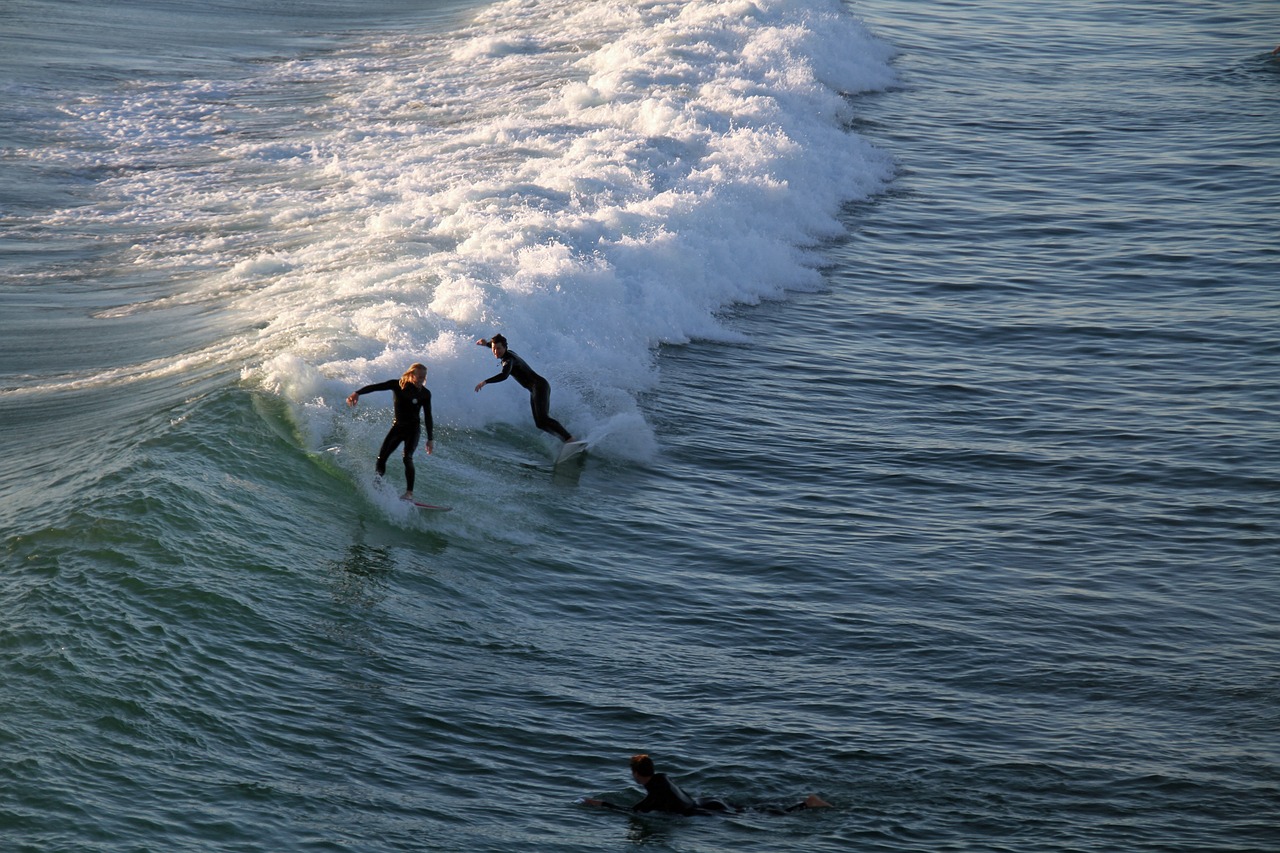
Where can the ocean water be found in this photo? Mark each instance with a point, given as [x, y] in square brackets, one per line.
[928, 351]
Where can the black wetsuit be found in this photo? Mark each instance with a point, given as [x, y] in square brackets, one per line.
[539, 392]
[663, 795]
[409, 400]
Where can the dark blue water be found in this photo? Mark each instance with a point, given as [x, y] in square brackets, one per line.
[972, 532]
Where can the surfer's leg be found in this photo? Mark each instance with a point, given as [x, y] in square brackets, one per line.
[408, 473]
[540, 403]
[410, 445]
[710, 804]
[388, 447]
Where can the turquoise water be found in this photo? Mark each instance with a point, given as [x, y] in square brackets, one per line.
[935, 465]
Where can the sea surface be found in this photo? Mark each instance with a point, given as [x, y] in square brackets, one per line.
[929, 351]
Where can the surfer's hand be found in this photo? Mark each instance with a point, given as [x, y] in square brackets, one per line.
[478, 387]
[592, 802]
[482, 342]
[431, 446]
[351, 401]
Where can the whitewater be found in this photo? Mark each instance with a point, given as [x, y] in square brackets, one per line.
[592, 180]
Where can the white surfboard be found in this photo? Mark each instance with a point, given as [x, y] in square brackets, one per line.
[570, 450]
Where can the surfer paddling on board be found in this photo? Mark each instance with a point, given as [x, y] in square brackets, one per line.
[663, 795]
[411, 397]
[539, 388]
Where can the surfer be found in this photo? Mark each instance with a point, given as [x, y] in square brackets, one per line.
[539, 388]
[663, 795]
[411, 396]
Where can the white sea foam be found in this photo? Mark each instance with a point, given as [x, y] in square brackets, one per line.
[592, 179]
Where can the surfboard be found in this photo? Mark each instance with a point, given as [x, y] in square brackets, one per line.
[570, 450]
[432, 507]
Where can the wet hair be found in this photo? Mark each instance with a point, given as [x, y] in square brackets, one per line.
[407, 378]
[497, 339]
[642, 765]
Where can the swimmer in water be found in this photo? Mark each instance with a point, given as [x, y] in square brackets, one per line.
[663, 795]
[539, 388]
[411, 397]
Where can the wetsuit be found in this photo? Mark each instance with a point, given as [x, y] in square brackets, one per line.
[663, 795]
[539, 392]
[409, 400]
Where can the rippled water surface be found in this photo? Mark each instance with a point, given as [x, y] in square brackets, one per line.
[973, 534]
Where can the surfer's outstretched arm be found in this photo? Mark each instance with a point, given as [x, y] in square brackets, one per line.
[501, 375]
[389, 385]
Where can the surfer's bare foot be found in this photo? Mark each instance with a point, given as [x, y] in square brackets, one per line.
[407, 496]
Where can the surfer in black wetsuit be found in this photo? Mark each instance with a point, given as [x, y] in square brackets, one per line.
[411, 396]
[663, 795]
[539, 388]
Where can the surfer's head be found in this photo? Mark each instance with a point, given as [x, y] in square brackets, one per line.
[641, 766]
[416, 375]
[499, 344]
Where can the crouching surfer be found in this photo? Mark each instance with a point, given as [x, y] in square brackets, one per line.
[539, 389]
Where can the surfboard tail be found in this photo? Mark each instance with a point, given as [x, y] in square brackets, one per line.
[571, 449]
